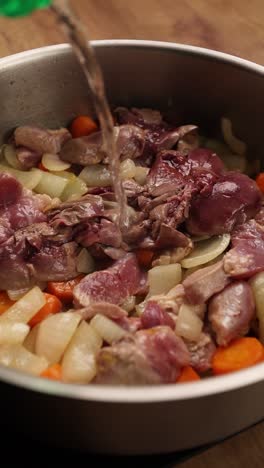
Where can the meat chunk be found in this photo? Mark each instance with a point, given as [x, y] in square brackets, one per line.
[237, 198]
[27, 157]
[201, 352]
[130, 141]
[10, 190]
[203, 158]
[40, 139]
[153, 356]
[231, 311]
[204, 283]
[154, 315]
[246, 258]
[85, 150]
[76, 211]
[112, 285]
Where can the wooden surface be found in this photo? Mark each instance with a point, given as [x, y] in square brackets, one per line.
[233, 26]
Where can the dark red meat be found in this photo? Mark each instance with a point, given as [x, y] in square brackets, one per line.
[154, 315]
[10, 190]
[231, 311]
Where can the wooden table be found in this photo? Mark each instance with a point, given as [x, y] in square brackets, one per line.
[233, 26]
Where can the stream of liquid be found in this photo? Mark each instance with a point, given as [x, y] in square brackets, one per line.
[77, 37]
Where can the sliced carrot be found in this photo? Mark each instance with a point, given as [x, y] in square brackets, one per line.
[144, 257]
[42, 168]
[188, 374]
[53, 306]
[64, 290]
[260, 181]
[240, 353]
[53, 372]
[5, 302]
[83, 126]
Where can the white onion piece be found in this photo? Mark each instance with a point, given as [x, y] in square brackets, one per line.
[162, 278]
[30, 340]
[107, 329]
[236, 145]
[127, 169]
[188, 325]
[257, 284]
[85, 262]
[52, 162]
[28, 179]
[141, 175]
[206, 250]
[13, 332]
[50, 184]
[97, 175]
[78, 363]
[26, 307]
[54, 335]
[129, 303]
[17, 357]
[75, 188]
[16, 294]
[11, 157]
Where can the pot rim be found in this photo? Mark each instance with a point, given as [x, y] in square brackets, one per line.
[136, 394]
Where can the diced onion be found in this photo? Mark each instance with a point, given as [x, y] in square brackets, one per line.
[162, 278]
[236, 145]
[11, 157]
[107, 329]
[188, 325]
[129, 303]
[141, 175]
[13, 332]
[85, 262]
[257, 284]
[51, 184]
[75, 188]
[26, 307]
[206, 250]
[29, 179]
[52, 162]
[16, 294]
[54, 335]
[78, 363]
[17, 357]
[127, 169]
[97, 175]
[30, 341]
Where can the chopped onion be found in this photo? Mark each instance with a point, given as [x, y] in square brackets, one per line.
[75, 188]
[11, 157]
[50, 184]
[206, 250]
[13, 332]
[85, 262]
[127, 169]
[16, 294]
[257, 285]
[54, 335]
[26, 307]
[28, 179]
[52, 162]
[141, 175]
[236, 145]
[78, 363]
[30, 341]
[97, 175]
[188, 325]
[17, 357]
[162, 278]
[129, 303]
[107, 329]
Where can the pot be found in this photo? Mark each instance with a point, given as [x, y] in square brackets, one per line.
[46, 87]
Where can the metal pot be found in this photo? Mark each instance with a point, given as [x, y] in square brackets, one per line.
[46, 86]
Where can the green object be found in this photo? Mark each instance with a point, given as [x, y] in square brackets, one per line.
[21, 7]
